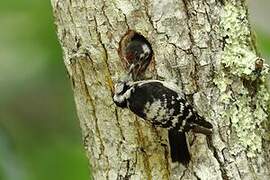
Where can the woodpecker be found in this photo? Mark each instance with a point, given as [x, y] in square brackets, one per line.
[136, 53]
[161, 104]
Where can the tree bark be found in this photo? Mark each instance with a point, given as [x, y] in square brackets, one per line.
[206, 47]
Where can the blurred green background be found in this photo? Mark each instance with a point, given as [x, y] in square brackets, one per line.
[39, 131]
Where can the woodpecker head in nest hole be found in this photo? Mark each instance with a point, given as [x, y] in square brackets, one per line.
[136, 53]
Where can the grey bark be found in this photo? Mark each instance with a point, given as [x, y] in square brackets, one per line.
[206, 47]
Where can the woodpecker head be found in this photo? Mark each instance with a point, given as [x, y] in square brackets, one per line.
[122, 91]
[138, 50]
[136, 53]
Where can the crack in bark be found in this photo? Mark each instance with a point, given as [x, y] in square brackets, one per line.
[178, 71]
[145, 155]
[125, 17]
[238, 171]
[215, 153]
[183, 175]
[210, 40]
[109, 74]
[195, 75]
[104, 14]
[196, 176]
[118, 123]
[128, 175]
[90, 100]
[166, 153]
[146, 5]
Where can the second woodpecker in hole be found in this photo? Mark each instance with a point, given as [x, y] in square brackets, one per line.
[136, 53]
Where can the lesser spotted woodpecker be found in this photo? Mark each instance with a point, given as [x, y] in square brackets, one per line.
[163, 105]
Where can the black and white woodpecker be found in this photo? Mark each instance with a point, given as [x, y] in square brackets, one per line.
[163, 105]
[158, 102]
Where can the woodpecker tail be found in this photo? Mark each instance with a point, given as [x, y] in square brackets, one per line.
[202, 126]
[179, 147]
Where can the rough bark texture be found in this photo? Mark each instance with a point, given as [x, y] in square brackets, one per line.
[205, 46]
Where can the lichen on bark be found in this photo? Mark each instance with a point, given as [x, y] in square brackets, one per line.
[246, 110]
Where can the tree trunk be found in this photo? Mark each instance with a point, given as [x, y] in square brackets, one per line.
[206, 47]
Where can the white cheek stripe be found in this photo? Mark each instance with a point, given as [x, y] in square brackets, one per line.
[123, 97]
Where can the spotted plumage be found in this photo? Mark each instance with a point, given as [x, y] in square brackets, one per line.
[161, 104]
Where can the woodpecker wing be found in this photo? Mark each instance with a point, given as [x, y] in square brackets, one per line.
[157, 103]
[163, 106]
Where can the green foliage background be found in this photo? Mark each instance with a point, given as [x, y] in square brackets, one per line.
[39, 131]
